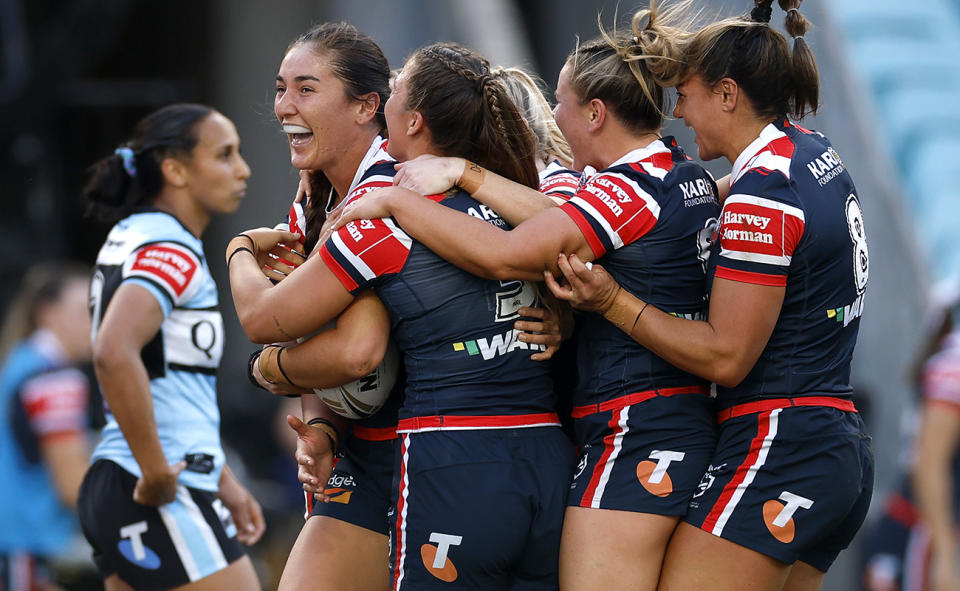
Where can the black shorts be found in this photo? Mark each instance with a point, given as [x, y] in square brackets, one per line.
[154, 548]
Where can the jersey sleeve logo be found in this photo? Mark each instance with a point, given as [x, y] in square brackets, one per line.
[171, 266]
[561, 184]
[759, 230]
[612, 210]
[363, 250]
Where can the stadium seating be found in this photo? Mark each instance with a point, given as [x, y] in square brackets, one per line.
[906, 57]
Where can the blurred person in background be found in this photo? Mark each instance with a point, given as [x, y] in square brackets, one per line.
[177, 516]
[44, 421]
[932, 562]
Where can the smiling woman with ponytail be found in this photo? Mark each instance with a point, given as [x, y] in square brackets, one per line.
[791, 480]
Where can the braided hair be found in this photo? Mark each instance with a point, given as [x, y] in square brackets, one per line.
[468, 111]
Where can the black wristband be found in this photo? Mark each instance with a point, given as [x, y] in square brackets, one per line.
[334, 444]
[289, 381]
[234, 253]
[254, 358]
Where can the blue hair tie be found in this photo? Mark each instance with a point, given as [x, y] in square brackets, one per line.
[126, 154]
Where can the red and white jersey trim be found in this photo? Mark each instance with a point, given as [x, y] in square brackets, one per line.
[771, 150]
[356, 258]
[760, 213]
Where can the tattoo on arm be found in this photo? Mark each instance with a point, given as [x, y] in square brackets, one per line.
[280, 328]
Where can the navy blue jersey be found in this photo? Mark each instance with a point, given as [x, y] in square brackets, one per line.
[461, 352]
[648, 218]
[793, 219]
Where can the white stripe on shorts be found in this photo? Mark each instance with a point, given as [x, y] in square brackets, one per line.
[608, 466]
[196, 544]
[402, 542]
[751, 473]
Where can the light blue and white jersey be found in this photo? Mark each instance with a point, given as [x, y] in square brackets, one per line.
[153, 249]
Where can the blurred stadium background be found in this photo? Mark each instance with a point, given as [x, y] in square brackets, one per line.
[76, 74]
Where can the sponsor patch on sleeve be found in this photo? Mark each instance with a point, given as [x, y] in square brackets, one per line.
[363, 250]
[760, 230]
[169, 265]
[619, 210]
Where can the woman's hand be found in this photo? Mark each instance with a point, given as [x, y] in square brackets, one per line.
[160, 488]
[590, 289]
[373, 205]
[545, 332]
[314, 458]
[428, 174]
[277, 389]
[282, 260]
[261, 242]
[244, 510]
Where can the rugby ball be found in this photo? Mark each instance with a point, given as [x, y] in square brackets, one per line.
[361, 398]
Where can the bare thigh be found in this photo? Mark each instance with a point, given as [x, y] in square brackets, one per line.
[333, 554]
[804, 577]
[699, 560]
[605, 549]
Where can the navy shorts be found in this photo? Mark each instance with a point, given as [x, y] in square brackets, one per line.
[479, 509]
[792, 483]
[360, 484]
[646, 457]
[153, 548]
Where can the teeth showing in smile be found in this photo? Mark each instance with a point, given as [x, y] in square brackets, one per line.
[295, 129]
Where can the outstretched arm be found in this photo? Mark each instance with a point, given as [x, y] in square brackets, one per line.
[432, 175]
[471, 243]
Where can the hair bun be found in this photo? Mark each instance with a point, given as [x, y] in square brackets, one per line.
[761, 13]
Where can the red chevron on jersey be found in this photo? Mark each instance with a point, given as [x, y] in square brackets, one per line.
[619, 206]
[167, 263]
[771, 152]
[366, 249]
[370, 184]
[658, 164]
[297, 221]
[759, 230]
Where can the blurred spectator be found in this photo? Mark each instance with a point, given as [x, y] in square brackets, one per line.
[44, 422]
[934, 540]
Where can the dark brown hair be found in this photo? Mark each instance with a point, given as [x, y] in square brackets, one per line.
[114, 188]
[358, 62]
[777, 81]
[469, 112]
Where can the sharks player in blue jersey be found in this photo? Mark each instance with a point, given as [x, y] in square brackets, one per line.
[159, 505]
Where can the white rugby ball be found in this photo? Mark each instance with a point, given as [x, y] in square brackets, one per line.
[361, 398]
